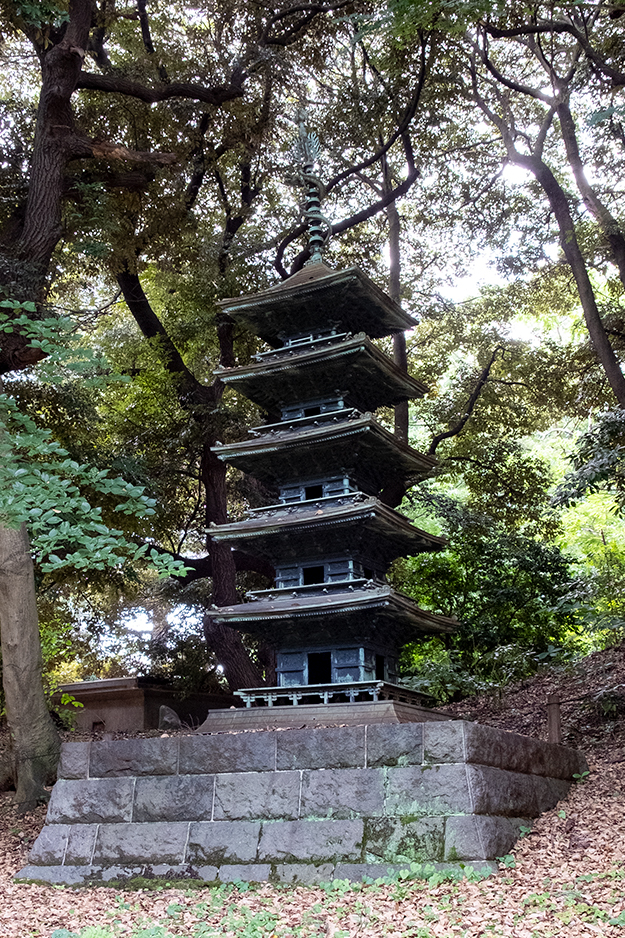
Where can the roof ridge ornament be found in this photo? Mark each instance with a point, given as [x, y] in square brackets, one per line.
[306, 151]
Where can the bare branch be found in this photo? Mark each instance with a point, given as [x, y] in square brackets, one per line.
[190, 391]
[402, 127]
[145, 26]
[507, 82]
[198, 158]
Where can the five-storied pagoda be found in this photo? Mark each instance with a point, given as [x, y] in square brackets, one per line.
[336, 624]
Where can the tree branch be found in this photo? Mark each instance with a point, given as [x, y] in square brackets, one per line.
[609, 225]
[477, 390]
[507, 82]
[115, 151]
[560, 27]
[198, 158]
[308, 10]
[219, 94]
[191, 391]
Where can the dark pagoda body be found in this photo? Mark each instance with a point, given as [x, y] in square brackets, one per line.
[334, 621]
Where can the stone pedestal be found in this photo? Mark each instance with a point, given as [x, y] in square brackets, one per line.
[305, 805]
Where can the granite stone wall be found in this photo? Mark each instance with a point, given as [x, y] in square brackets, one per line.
[304, 805]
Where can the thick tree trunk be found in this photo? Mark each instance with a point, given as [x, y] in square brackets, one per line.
[239, 669]
[35, 741]
[56, 141]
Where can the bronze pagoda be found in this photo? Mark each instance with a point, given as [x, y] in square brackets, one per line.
[335, 623]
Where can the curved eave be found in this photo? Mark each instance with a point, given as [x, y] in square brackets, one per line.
[311, 299]
[362, 613]
[367, 528]
[359, 446]
[354, 366]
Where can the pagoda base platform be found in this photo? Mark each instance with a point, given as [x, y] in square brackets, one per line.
[310, 715]
[297, 806]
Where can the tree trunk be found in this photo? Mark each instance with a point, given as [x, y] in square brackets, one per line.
[572, 252]
[56, 141]
[239, 669]
[610, 228]
[394, 291]
[35, 741]
[399, 340]
[201, 403]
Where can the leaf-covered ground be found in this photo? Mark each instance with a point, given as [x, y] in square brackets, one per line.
[565, 878]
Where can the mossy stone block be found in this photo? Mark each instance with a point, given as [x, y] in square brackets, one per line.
[398, 840]
[219, 842]
[261, 795]
[74, 761]
[426, 791]
[227, 752]
[474, 837]
[312, 841]
[394, 744]
[123, 757]
[329, 748]
[50, 846]
[80, 844]
[156, 842]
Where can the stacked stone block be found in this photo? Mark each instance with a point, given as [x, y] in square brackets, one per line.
[304, 805]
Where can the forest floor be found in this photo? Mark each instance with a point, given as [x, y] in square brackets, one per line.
[566, 877]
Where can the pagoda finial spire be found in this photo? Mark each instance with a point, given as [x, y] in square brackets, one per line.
[307, 151]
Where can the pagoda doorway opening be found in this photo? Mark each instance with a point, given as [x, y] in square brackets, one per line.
[311, 575]
[319, 667]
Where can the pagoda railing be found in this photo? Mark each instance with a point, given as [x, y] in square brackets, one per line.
[325, 693]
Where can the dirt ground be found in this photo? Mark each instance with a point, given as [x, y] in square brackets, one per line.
[566, 877]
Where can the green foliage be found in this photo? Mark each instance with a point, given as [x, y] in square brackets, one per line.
[405, 18]
[598, 461]
[40, 484]
[42, 12]
[510, 592]
[503, 586]
[508, 862]
[432, 668]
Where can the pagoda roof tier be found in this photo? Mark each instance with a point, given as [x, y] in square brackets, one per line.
[365, 615]
[317, 298]
[357, 446]
[356, 525]
[353, 367]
